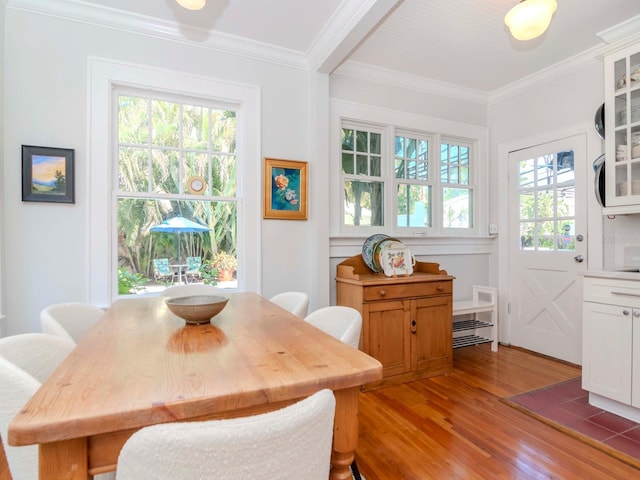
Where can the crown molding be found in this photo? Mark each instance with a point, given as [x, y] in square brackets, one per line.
[627, 31]
[90, 14]
[546, 75]
[415, 82]
[394, 78]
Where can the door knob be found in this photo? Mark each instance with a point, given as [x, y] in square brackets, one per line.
[579, 258]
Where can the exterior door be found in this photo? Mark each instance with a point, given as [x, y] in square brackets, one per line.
[547, 246]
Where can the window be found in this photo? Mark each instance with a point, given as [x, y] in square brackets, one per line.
[362, 175]
[390, 179]
[176, 157]
[413, 186]
[455, 180]
[103, 189]
[547, 202]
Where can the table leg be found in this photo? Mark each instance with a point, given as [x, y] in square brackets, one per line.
[64, 460]
[345, 433]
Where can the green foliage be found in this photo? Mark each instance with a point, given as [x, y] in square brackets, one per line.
[160, 174]
[209, 274]
[61, 182]
[224, 261]
[129, 282]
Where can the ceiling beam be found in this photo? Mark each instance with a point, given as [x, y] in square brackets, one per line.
[348, 27]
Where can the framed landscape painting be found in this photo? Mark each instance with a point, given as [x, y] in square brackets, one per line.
[47, 174]
[285, 189]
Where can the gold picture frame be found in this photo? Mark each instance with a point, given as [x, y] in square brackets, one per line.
[285, 189]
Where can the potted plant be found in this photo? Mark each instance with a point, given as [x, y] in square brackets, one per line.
[226, 265]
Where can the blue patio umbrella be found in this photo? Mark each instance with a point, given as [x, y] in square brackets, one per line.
[179, 225]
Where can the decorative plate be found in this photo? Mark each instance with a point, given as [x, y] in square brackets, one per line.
[377, 250]
[396, 260]
[368, 247]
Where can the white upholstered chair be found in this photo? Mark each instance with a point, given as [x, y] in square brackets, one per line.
[16, 388]
[343, 323]
[70, 320]
[38, 354]
[287, 444]
[191, 289]
[294, 302]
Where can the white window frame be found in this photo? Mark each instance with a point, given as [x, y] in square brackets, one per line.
[384, 173]
[103, 75]
[432, 165]
[392, 121]
[471, 145]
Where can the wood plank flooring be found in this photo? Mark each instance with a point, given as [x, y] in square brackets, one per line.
[456, 427]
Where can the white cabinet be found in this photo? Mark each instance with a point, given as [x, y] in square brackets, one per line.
[622, 127]
[611, 339]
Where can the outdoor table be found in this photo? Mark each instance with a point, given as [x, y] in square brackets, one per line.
[179, 267]
[141, 365]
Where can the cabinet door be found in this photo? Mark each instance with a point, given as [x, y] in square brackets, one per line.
[635, 368]
[622, 113]
[431, 335]
[607, 343]
[388, 335]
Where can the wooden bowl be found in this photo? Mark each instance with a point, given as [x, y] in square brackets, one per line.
[196, 309]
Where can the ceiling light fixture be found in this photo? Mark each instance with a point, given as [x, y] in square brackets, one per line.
[192, 4]
[530, 18]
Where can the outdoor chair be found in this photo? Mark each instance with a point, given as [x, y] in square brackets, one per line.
[193, 269]
[290, 443]
[162, 271]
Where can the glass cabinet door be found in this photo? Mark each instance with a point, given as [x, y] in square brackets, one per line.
[624, 147]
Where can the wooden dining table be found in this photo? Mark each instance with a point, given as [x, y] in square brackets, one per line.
[141, 365]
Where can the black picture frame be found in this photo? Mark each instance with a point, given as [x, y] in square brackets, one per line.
[48, 174]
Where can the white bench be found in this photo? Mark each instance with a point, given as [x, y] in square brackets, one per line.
[484, 301]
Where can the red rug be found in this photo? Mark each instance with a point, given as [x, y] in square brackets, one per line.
[565, 406]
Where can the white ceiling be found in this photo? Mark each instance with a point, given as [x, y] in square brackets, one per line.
[459, 42]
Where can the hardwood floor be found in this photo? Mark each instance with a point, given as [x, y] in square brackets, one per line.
[456, 427]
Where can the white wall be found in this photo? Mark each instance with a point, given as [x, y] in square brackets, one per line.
[2, 70]
[46, 101]
[470, 260]
[567, 102]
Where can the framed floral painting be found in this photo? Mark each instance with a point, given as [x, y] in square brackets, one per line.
[285, 189]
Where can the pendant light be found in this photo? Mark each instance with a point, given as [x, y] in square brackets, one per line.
[192, 4]
[530, 18]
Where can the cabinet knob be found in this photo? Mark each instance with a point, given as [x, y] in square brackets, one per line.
[440, 288]
[383, 293]
[625, 312]
[636, 313]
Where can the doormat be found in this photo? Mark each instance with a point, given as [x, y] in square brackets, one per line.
[565, 407]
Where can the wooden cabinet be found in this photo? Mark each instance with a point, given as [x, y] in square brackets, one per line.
[622, 121]
[406, 321]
